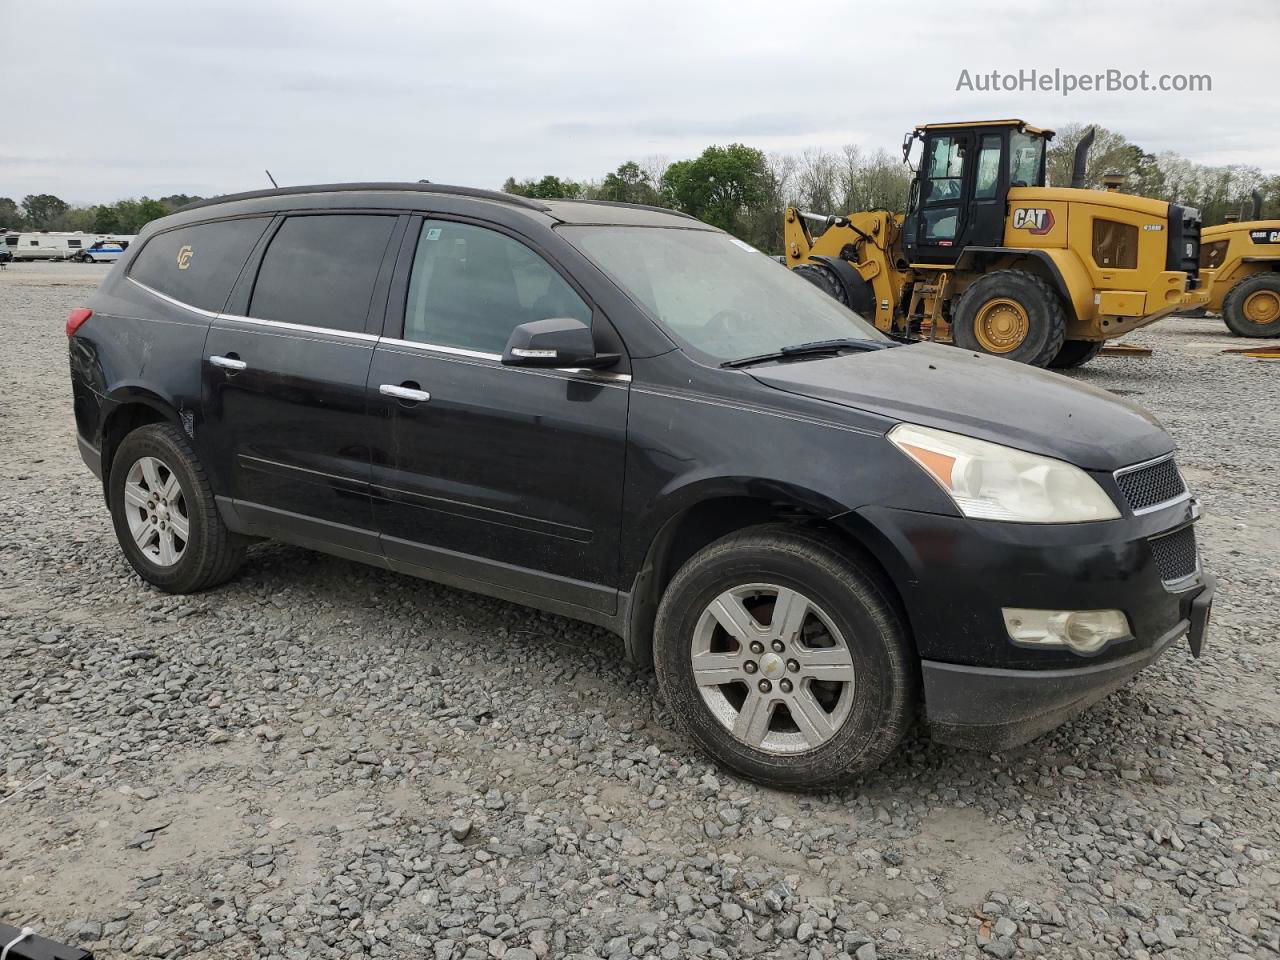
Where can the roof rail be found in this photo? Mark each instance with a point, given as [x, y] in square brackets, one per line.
[477, 193]
[635, 206]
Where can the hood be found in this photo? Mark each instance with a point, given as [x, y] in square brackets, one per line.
[984, 397]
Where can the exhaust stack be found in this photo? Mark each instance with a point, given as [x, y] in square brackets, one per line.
[1081, 158]
[1257, 205]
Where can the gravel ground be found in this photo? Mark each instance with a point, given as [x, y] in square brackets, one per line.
[321, 759]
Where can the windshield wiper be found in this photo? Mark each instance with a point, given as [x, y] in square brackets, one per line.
[814, 348]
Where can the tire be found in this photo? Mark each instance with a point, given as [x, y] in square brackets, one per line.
[1015, 301]
[1252, 307]
[144, 462]
[861, 722]
[852, 291]
[1075, 353]
[824, 279]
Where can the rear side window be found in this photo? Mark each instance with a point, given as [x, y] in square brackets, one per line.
[198, 264]
[320, 270]
[471, 287]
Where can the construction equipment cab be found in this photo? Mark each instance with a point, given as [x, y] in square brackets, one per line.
[989, 258]
[1240, 264]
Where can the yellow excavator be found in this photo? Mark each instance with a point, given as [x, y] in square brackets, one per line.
[989, 258]
[1240, 267]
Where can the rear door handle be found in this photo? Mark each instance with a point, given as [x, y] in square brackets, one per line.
[228, 363]
[403, 393]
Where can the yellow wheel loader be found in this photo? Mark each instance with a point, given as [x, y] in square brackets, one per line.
[989, 258]
[1240, 267]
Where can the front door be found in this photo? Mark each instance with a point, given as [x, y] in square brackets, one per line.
[939, 220]
[488, 474]
[285, 381]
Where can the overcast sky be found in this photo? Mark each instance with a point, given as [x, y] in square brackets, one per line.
[154, 97]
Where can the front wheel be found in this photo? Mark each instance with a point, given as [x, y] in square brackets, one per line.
[1011, 314]
[1252, 307]
[785, 659]
[164, 513]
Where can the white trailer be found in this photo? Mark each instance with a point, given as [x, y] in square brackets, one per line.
[49, 246]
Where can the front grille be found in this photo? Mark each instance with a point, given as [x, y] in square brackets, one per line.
[1175, 554]
[1151, 484]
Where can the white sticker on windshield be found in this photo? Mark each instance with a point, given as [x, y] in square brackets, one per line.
[433, 233]
[745, 246]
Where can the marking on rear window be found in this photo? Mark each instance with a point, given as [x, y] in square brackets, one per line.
[433, 233]
[184, 256]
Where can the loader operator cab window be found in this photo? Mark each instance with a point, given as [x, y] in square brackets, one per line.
[1026, 160]
[988, 178]
[943, 189]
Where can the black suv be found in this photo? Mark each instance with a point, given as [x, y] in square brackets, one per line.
[622, 415]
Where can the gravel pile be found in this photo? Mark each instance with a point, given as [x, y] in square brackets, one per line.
[325, 760]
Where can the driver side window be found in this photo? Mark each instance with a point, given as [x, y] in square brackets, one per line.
[471, 286]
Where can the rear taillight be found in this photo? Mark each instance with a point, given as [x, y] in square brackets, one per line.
[76, 319]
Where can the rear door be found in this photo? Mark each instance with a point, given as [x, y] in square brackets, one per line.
[285, 378]
[503, 475]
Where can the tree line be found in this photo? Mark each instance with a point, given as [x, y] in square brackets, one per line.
[745, 191]
[44, 211]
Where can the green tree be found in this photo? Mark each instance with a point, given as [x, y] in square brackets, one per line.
[548, 188]
[1110, 153]
[720, 187]
[178, 200]
[11, 217]
[106, 219]
[42, 209]
[629, 184]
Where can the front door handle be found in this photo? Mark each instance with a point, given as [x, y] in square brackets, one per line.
[402, 392]
[228, 363]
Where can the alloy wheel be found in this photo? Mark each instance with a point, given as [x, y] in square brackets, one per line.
[773, 668]
[156, 509]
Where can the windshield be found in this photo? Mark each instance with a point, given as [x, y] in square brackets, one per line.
[717, 294]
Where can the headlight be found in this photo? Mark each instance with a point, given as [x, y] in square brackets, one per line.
[992, 482]
[1084, 631]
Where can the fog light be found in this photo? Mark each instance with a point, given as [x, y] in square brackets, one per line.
[1084, 631]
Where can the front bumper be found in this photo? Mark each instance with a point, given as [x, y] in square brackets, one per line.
[955, 575]
[985, 708]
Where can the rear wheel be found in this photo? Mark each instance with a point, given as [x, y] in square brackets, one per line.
[164, 513]
[784, 659]
[1252, 307]
[1076, 353]
[1011, 314]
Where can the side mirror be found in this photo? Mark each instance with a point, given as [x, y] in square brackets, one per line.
[555, 342]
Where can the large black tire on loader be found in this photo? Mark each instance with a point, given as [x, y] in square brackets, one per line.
[848, 287]
[1252, 307]
[1075, 353]
[1011, 314]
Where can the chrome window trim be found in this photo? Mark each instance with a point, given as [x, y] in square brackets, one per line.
[604, 376]
[300, 327]
[1185, 495]
[173, 300]
[235, 318]
[438, 348]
